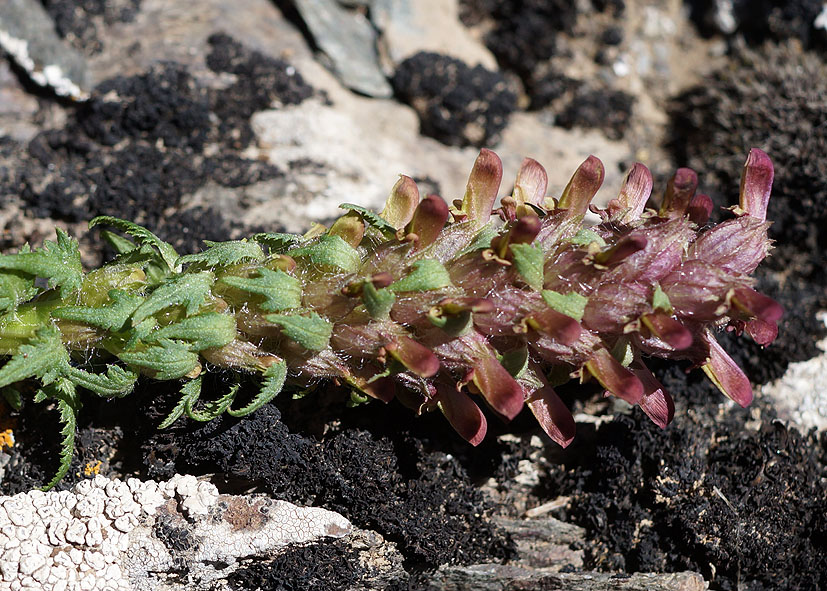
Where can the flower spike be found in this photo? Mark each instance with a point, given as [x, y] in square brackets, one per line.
[428, 304]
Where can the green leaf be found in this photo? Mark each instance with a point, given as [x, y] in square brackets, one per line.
[190, 392]
[426, 274]
[481, 241]
[274, 377]
[117, 381]
[515, 361]
[586, 236]
[222, 254]
[189, 290]
[372, 219]
[311, 332]
[660, 301]
[43, 357]
[275, 241]
[571, 304]
[68, 405]
[280, 290]
[378, 302]
[169, 360]
[330, 251]
[142, 236]
[111, 317]
[211, 409]
[12, 397]
[528, 260]
[15, 288]
[59, 262]
[205, 331]
[120, 244]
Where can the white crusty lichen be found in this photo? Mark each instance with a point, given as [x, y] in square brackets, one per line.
[111, 535]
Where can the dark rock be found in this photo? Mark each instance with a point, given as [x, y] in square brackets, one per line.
[760, 20]
[79, 21]
[605, 109]
[456, 104]
[523, 33]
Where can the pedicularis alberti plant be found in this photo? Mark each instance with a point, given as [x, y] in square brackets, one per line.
[441, 306]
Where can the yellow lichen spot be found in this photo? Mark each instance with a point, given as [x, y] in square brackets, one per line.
[6, 439]
[92, 468]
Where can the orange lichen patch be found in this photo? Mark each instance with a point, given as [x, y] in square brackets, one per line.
[92, 468]
[6, 439]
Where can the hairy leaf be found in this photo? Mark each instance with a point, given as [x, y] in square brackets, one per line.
[330, 251]
[168, 360]
[311, 332]
[280, 290]
[528, 260]
[571, 304]
[211, 409]
[68, 405]
[142, 236]
[222, 254]
[371, 218]
[112, 316]
[117, 381]
[188, 290]
[43, 357]
[274, 377]
[426, 274]
[59, 262]
[275, 241]
[15, 288]
[205, 331]
[190, 392]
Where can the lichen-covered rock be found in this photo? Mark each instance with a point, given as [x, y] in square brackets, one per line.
[456, 104]
[133, 535]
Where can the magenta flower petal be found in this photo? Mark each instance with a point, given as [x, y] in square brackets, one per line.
[556, 325]
[668, 329]
[621, 251]
[582, 187]
[756, 184]
[552, 415]
[762, 332]
[635, 192]
[725, 373]
[656, 402]
[483, 184]
[428, 220]
[464, 415]
[679, 192]
[416, 357]
[700, 208]
[758, 305]
[497, 386]
[615, 378]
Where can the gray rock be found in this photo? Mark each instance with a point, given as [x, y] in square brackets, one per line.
[348, 41]
[410, 26]
[28, 35]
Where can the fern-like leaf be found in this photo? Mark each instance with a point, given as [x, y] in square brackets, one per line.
[117, 381]
[68, 405]
[211, 409]
[274, 378]
[59, 262]
[222, 254]
[188, 290]
[44, 357]
[142, 236]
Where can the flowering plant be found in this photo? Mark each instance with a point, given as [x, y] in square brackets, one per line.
[438, 305]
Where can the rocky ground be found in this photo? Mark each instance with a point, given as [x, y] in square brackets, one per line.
[218, 119]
